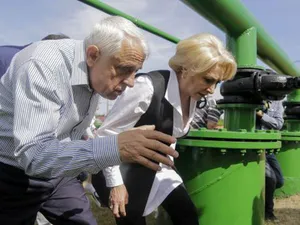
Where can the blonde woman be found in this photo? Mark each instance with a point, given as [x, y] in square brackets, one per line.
[166, 99]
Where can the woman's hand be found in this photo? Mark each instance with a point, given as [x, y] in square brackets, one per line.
[118, 198]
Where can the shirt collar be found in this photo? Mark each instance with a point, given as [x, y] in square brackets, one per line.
[173, 96]
[172, 92]
[79, 74]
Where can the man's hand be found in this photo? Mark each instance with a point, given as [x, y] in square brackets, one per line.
[118, 198]
[142, 146]
[211, 124]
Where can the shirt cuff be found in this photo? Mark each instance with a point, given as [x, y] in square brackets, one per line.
[106, 151]
[113, 176]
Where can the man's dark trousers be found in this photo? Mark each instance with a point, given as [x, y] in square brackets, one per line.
[61, 200]
[274, 180]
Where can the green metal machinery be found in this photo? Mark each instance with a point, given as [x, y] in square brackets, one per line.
[225, 174]
[234, 19]
[224, 170]
[235, 182]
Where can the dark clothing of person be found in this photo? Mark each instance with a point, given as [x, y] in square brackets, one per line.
[7, 53]
[273, 163]
[61, 200]
[274, 180]
[272, 119]
[272, 116]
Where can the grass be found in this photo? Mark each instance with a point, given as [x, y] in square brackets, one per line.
[287, 210]
[105, 217]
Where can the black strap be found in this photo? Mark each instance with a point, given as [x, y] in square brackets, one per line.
[160, 111]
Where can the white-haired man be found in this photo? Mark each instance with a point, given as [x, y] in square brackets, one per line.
[48, 97]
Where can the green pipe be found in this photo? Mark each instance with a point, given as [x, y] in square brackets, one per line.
[224, 174]
[234, 18]
[239, 116]
[226, 189]
[293, 125]
[294, 96]
[246, 50]
[112, 11]
[288, 158]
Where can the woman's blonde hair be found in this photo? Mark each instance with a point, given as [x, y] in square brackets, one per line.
[201, 53]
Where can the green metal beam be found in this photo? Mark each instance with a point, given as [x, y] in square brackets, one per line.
[233, 18]
[244, 48]
[112, 11]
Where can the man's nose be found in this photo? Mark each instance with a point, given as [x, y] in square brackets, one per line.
[130, 81]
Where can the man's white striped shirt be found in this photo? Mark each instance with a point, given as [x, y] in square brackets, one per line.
[46, 104]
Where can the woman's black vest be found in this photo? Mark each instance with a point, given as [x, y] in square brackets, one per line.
[139, 179]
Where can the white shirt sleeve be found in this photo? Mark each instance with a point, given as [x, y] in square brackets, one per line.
[125, 113]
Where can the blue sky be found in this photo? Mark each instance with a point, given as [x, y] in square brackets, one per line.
[22, 22]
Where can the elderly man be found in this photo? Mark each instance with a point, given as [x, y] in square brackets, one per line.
[48, 97]
[7, 52]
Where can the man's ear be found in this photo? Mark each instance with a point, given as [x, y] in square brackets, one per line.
[92, 55]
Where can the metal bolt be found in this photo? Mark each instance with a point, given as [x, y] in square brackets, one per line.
[259, 152]
[270, 151]
[243, 152]
[223, 151]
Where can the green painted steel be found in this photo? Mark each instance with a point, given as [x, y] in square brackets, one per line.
[288, 158]
[224, 187]
[226, 144]
[223, 140]
[290, 136]
[292, 126]
[290, 133]
[219, 167]
[241, 134]
[234, 18]
[287, 138]
[294, 96]
[239, 116]
[245, 49]
[112, 11]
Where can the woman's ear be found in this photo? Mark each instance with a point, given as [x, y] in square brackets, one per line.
[183, 72]
[92, 55]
